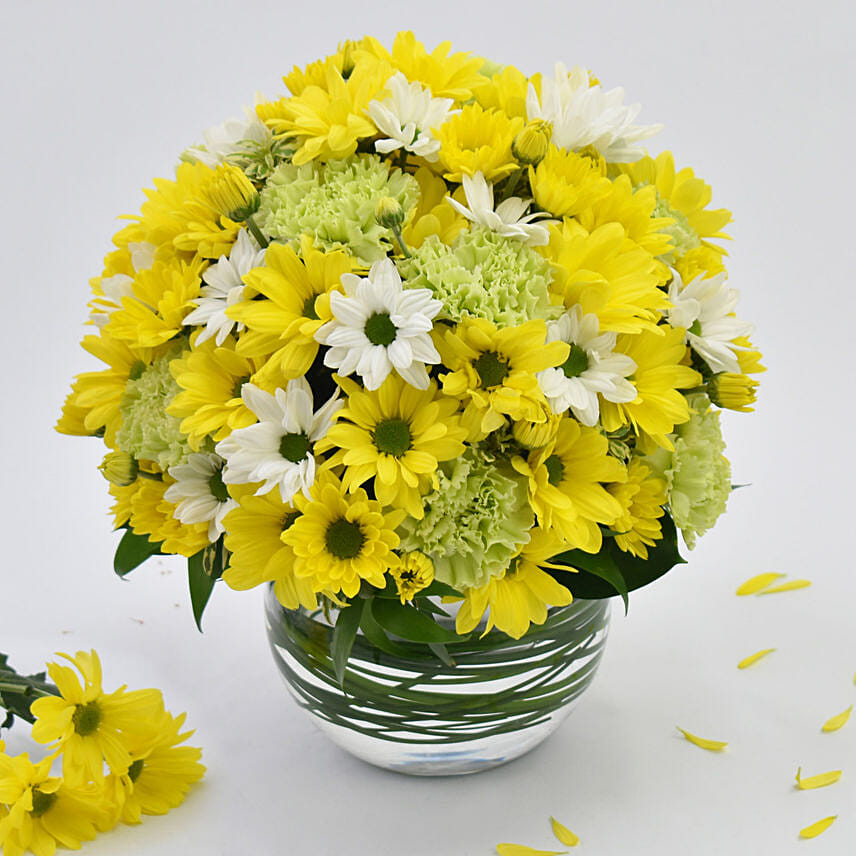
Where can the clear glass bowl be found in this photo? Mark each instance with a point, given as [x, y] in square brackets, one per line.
[406, 710]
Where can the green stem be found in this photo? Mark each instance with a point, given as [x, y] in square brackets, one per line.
[511, 184]
[261, 240]
[396, 230]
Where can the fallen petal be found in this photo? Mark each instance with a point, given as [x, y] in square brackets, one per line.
[793, 585]
[837, 721]
[819, 781]
[754, 585]
[746, 662]
[523, 850]
[564, 834]
[710, 745]
[816, 828]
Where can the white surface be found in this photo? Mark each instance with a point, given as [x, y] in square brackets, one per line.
[100, 97]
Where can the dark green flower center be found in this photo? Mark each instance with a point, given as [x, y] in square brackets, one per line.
[294, 447]
[217, 488]
[86, 718]
[135, 769]
[555, 469]
[380, 330]
[492, 369]
[695, 328]
[239, 385]
[392, 437]
[309, 308]
[137, 370]
[344, 539]
[576, 363]
[41, 802]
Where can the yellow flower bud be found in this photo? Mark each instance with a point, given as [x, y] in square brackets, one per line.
[389, 213]
[232, 193]
[732, 391]
[530, 145]
[416, 572]
[535, 435]
[346, 49]
[119, 468]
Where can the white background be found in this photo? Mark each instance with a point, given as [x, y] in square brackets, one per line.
[100, 97]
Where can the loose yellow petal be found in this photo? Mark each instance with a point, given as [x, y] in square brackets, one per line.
[816, 828]
[523, 850]
[837, 721]
[793, 585]
[819, 781]
[754, 585]
[746, 662]
[710, 745]
[564, 834]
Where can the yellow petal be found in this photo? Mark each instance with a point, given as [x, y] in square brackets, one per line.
[754, 585]
[523, 850]
[710, 745]
[564, 834]
[746, 662]
[821, 780]
[793, 585]
[837, 721]
[816, 828]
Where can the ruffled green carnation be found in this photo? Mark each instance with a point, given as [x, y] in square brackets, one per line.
[697, 473]
[148, 432]
[336, 204]
[474, 521]
[484, 275]
[684, 237]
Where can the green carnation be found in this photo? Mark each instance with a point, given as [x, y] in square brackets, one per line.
[484, 275]
[474, 521]
[148, 431]
[697, 473]
[684, 237]
[335, 203]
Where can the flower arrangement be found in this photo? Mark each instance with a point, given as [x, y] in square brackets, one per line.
[425, 327]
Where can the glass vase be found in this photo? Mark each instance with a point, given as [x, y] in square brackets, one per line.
[405, 709]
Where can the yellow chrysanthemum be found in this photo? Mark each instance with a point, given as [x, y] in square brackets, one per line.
[642, 497]
[521, 596]
[749, 357]
[565, 183]
[566, 488]
[414, 574]
[91, 727]
[342, 538]
[396, 435]
[446, 75]
[659, 375]
[493, 372]
[607, 275]
[478, 140]
[432, 214]
[254, 538]
[285, 323]
[504, 90]
[328, 121]
[699, 261]
[315, 74]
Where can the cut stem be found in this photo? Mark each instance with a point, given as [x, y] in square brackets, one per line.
[261, 240]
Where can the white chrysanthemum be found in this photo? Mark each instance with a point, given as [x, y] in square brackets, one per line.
[277, 450]
[407, 117]
[583, 115]
[224, 287]
[705, 308]
[379, 326]
[229, 138]
[120, 284]
[199, 493]
[592, 368]
[509, 219]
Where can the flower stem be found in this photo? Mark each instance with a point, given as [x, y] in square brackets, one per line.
[261, 240]
[511, 184]
[396, 230]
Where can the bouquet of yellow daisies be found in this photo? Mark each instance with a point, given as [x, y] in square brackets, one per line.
[426, 327]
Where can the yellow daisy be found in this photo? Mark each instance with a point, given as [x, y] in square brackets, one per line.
[396, 435]
[342, 538]
[565, 484]
[503, 90]
[565, 183]
[89, 726]
[296, 304]
[659, 375]
[642, 497]
[493, 372]
[432, 214]
[607, 275]
[478, 140]
[414, 574]
[254, 538]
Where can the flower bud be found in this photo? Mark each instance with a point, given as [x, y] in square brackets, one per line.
[389, 213]
[119, 468]
[232, 193]
[530, 145]
[535, 435]
[415, 573]
[346, 49]
[732, 391]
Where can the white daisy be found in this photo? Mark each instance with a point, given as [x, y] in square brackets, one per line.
[705, 308]
[583, 115]
[379, 326]
[199, 493]
[408, 116]
[120, 284]
[224, 287]
[228, 138]
[592, 368]
[509, 219]
[277, 450]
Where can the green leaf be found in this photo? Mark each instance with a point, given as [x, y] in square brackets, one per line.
[598, 573]
[201, 586]
[344, 634]
[441, 653]
[408, 623]
[376, 635]
[438, 589]
[132, 551]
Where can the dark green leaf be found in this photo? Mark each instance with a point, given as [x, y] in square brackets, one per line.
[344, 634]
[438, 589]
[376, 635]
[598, 573]
[439, 651]
[201, 586]
[132, 551]
[410, 624]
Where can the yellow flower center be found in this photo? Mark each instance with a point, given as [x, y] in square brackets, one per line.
[41, 802]
[294, 447]
[492, 369]
[135, 769]
[576, 363]
[86, 718]
[344, 539]
[392, 436]
[380, 330]
[555, 469]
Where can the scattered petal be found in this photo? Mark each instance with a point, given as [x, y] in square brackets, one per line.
[837, 721]
[746, 662]
[754, 585]
[564, 834]
[819, 781]
[816, 828]
[523, 850]
[793, 585]
[710, 745]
